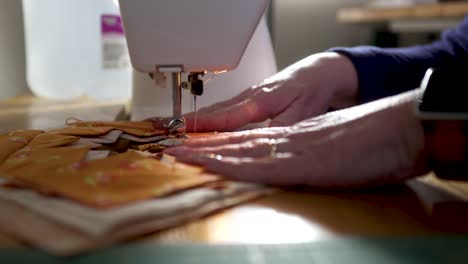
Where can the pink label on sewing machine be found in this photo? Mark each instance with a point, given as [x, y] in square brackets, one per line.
[111, 24]
[114, 46]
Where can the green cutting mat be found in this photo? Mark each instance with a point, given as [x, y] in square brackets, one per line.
[425, 250]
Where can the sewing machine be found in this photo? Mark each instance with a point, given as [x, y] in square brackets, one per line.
[188, 39]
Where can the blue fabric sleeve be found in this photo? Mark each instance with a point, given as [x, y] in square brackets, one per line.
[388, 71]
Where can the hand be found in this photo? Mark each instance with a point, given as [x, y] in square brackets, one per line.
[377, 143]
[303, 90]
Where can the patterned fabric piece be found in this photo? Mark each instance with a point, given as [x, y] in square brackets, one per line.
[83, 131]
[140, 129]
[54, 163]
[51, 140]
[172, 162]
[117, 180]
[13, 141]
[36, 164]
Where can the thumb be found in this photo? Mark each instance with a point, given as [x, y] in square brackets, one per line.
[300, 109]
[226, 119]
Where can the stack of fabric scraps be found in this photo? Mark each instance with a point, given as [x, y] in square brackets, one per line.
[92, 184]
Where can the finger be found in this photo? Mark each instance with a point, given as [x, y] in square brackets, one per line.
[178, 151]
[236, 137]
[260, 105]
[218, 106]
[234, 100]
[258, 170]
[225, 150]
[299, 110]
[227, 119]
[262, 147]
[289, 116]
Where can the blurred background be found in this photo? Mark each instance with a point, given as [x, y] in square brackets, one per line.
[12, 54]
[302, 27]
[298, 28]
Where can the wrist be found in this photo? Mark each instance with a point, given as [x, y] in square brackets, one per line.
[412, 135]
[343, 78]
[393, 133]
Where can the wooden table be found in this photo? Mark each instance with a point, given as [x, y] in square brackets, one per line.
[426, 206]
[30, 112]
[370, 14]
[417, 18]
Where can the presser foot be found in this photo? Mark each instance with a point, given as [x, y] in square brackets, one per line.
[174, 126]
[177, 126]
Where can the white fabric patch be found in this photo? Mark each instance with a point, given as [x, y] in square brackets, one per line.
[96, 222]
[144, 139]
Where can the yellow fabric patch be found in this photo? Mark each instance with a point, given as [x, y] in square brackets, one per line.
[117, 180]
[37, 164]
[42, 161]
[13, 141]
[140, 129]
[82, 131]
[51, 140]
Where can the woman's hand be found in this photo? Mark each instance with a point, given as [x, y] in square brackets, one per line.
[377, 143]
[303, 90]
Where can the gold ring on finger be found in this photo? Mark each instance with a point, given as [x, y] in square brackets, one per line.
[272, 143]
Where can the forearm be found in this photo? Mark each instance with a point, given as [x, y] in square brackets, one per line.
[385, 72]
[330, 72]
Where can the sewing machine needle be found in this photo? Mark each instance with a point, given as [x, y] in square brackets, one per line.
[196, 114]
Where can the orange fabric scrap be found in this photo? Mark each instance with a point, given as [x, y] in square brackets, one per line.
[83, 131]
[136, 128]
[117, 180]
[43, 161]
[51, 140]
[31, 163]
[13, 141]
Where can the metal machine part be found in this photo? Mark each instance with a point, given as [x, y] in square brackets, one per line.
[171, 125]
[194, 83]
[174, 125]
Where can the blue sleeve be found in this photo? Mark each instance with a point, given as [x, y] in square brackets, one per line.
[384, 72]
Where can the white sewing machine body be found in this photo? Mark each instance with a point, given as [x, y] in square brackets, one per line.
[189, 35]
[192, 37]
[257, 64]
